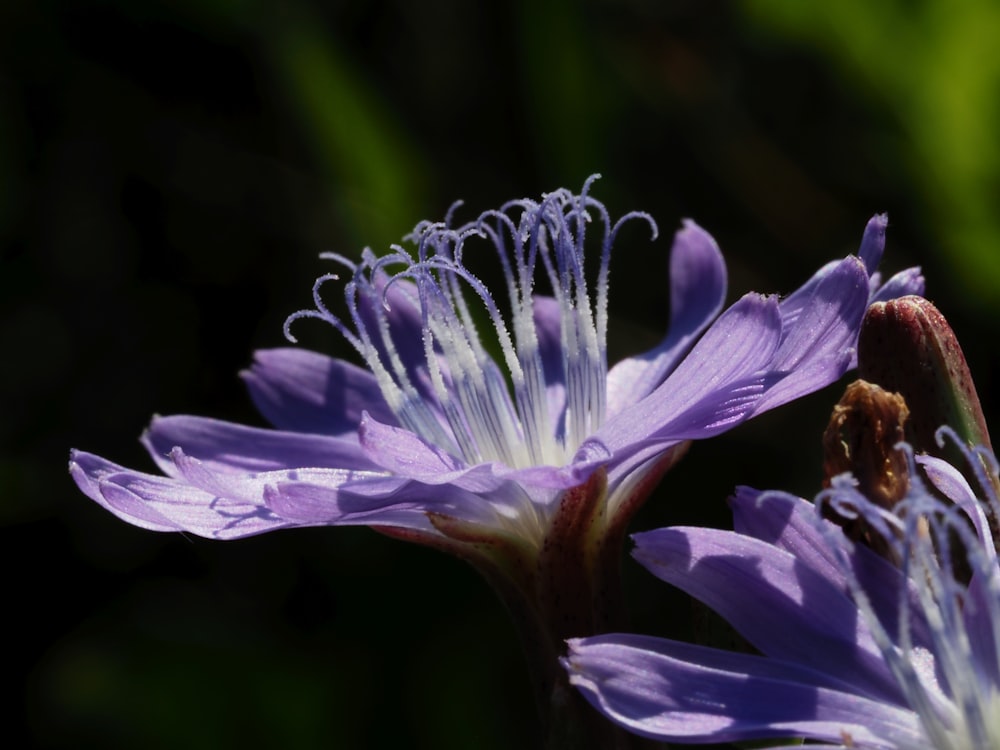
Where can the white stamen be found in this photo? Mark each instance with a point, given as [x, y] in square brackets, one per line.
[456, 396]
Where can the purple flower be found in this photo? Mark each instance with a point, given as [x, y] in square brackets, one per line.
[856, 651]
[487, 423]
[447, 435]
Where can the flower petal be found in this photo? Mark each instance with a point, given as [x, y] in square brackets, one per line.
[870, 254]
[547, 316]
[697, 291]
[237, 448]
[787, 522]
[873, 242]
[251, 486]
[910, 281]
[673, 691]
[820, 332]
[166, 504]
[390, 501]
[790, 524]
[303, 391]
[766, 593]
[89, 471]
[979, 616]
[405, 453]
[717, 382]
[408, 455]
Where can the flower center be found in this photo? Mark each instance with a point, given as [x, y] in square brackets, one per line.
[945, 653]
[532, 390]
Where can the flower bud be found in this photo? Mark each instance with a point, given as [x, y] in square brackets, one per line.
[906, 346]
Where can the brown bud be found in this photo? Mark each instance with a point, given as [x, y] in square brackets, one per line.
[861, 438]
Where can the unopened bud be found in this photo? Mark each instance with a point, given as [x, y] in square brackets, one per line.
[906, 346]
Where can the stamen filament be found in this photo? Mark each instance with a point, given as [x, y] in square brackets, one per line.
[456, 396]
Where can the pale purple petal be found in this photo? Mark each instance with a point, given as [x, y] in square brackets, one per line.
[232, 447]
[398, 301]
[320, 505]
[251, 486]
[166, 504]
[392, 502]
[827, 318]
[89, 471]
[910, 281]
[789, 523]
[870, 252]
[818, 345]
[408, 455]
[547, 316]
[950, 482]
[980, 624]
[301, 391]
[697, 291]
[873, 242]
[717, 382]
[978, 612]
[766, 593]
[714, 413]
[310, 505]
[672, 691]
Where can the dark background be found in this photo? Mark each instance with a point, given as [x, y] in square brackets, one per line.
[169, 173]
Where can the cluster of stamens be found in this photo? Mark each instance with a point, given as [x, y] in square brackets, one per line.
[947, 673]
[536, 402]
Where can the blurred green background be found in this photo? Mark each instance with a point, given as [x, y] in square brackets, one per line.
[169, 173]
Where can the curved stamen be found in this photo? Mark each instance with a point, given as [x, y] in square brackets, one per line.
[454, 393]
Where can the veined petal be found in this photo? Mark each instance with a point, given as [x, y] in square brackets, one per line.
[818, 343]
[910, 281]
[302, 391]
[697, 291]
[952, 484]
[873, 242]
[824, 313]
[408, 455]
[165, 504]
[548, 320]
[672, 691]
[309, 505]
[251, 486]
[728, 361]
[789, 523]
[978, 616]
[89, 471]
[390, 502]
[766, 593]
[870, 253]
[237, 448]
